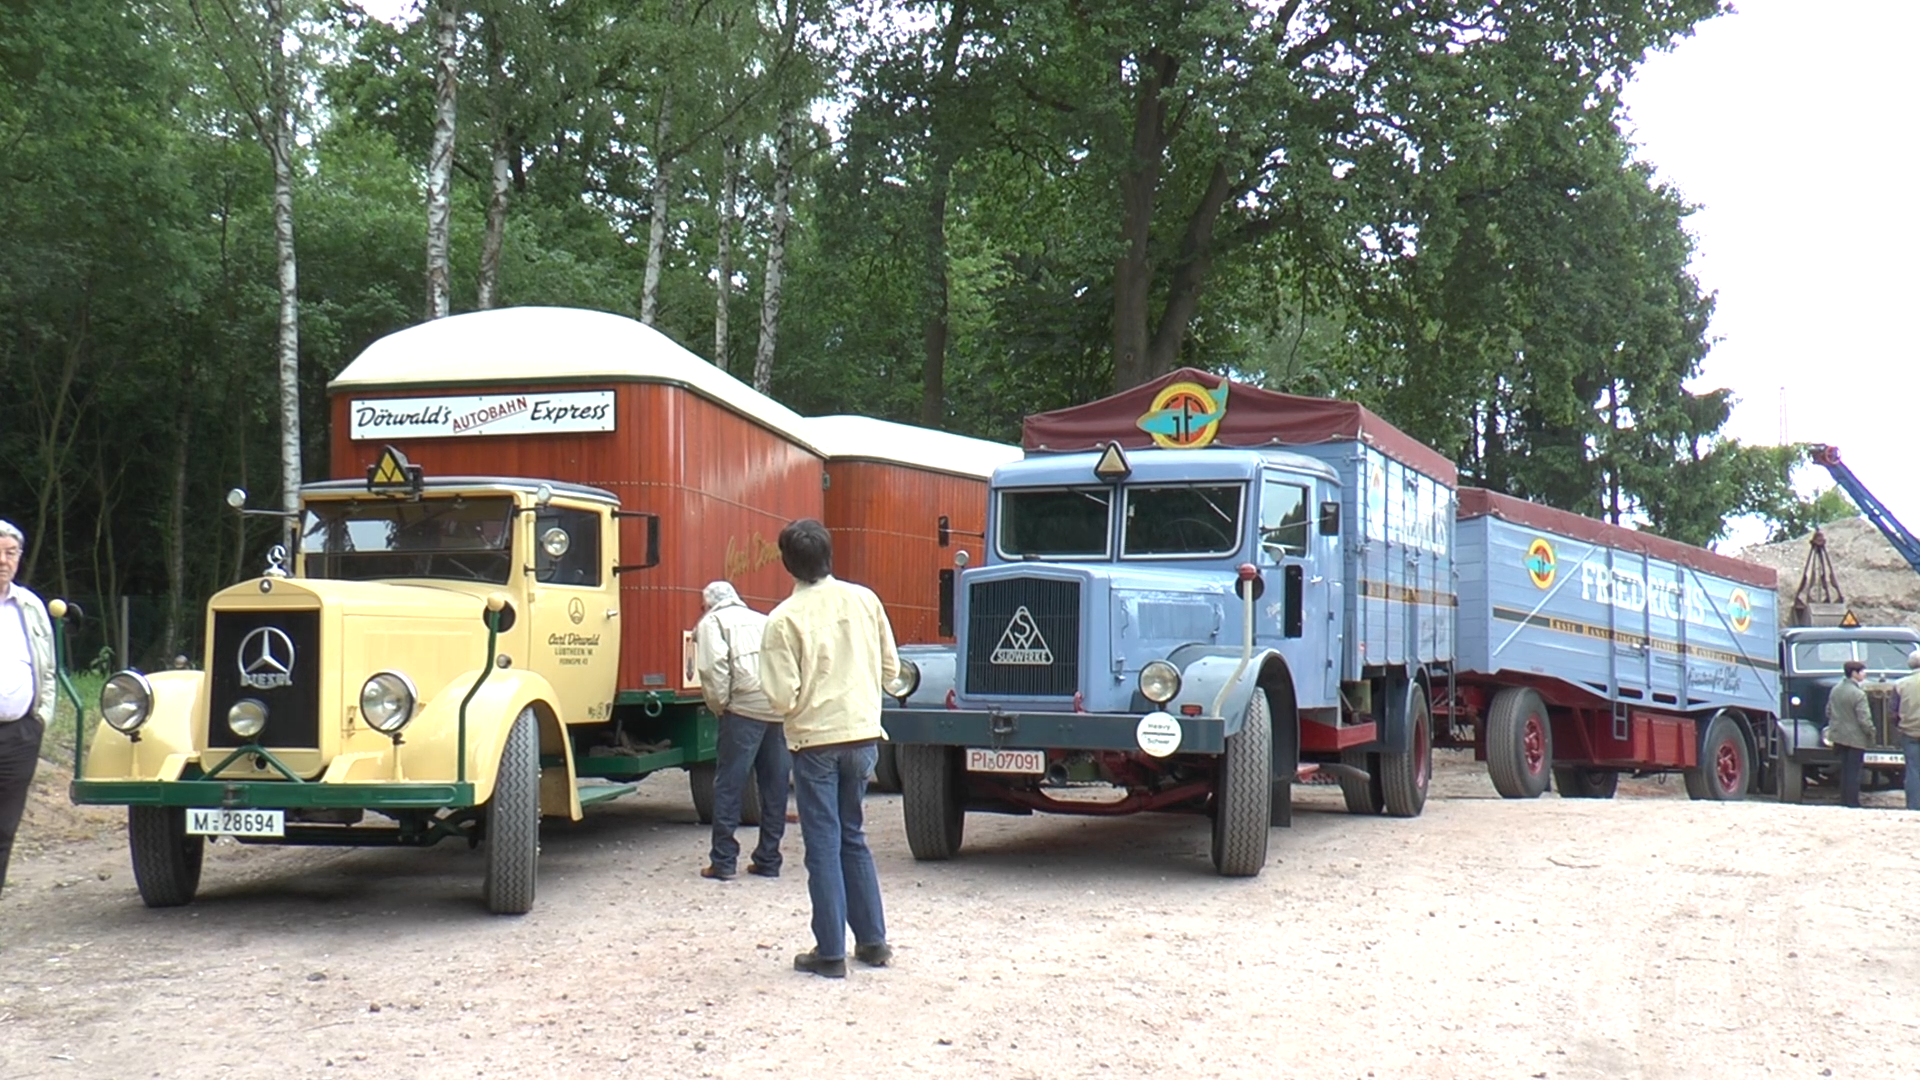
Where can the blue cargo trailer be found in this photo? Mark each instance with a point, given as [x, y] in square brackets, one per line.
[1585, 650]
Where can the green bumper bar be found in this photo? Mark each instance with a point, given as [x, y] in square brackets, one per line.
[271, 794]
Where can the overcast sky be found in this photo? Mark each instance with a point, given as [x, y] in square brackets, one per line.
[1791, 125]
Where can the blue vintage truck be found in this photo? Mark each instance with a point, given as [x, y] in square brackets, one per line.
[1196, 592]
[1190, 595]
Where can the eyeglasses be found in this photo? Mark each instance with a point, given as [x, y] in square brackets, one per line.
[12, 554]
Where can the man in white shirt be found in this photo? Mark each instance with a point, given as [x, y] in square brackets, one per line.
[726, 649]
[827, 654]
[26, 687]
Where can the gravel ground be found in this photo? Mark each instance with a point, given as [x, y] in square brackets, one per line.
[1647, 936]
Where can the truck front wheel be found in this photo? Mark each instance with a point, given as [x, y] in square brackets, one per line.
[166, 861]
[513, 821]
[1519, 743]
[1404, 774]
[933, 788]
[1793, 779]
[1726, 765]
[1243, 794]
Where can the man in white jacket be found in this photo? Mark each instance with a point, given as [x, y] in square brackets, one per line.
[726, 647]
[26, 687]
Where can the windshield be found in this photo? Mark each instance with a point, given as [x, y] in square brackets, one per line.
[463, 539]
[1187, 520]
[1060, 523]
[1881, 656]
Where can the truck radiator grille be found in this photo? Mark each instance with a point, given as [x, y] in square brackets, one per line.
[1023, 637]
[273, 657]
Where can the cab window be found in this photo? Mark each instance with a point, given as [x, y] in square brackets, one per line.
[1283, 521]
[1182, 520]
[579, 564]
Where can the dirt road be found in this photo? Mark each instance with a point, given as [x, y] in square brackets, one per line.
[1643, 937]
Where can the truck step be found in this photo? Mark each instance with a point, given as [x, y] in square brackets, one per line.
[599, 793]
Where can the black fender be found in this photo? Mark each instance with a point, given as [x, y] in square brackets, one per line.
[1396, 729]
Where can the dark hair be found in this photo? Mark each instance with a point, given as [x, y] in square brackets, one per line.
[1852, 666]
[806, 550]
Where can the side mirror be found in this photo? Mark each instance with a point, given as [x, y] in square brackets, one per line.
[652, 526]
[945, 530]
[1329, 519]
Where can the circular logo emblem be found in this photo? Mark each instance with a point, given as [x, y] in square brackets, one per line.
[1540, 562]
[1740, 610]
[1158, 734]
[266, 659]
[576, 611]
[1185, 416]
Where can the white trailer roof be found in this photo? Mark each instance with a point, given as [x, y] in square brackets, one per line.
[549, 344]
[863, 438]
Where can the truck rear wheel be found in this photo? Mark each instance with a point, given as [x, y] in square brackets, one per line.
[1363, 796]
[700, 778]
[1726, 764]
[166, 861]
[1243, 794]
[933, 788]
[1574, 783]
[513, 821]
[1404, 774]
[1793, 779]
[1519, 743]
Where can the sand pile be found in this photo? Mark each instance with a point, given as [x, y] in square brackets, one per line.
[1880, 587]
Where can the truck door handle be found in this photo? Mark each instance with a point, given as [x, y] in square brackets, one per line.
[613, 613]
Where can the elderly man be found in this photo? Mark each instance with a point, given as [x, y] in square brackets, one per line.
[827, 654]
[1850, 729]
[26, 687]
[726, 646]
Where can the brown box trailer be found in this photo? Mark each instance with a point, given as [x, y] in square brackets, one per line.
[598, 399]
[901, 502]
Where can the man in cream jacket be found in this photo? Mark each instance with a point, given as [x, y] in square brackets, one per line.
[726, 651]
[26, 687]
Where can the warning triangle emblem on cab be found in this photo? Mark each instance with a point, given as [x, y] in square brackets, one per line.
[1021, 643]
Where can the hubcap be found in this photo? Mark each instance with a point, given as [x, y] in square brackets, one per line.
[1726, 766]
[1533, 746]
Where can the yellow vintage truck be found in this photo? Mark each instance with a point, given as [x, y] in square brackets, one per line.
[455, 648]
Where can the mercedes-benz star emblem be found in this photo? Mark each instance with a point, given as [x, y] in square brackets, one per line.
[576, 611]
[266, 659]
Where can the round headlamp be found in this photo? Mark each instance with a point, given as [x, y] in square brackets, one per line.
[126, 700]
[387, 701]
[1159, 681]
[905, 681]
[247, 717]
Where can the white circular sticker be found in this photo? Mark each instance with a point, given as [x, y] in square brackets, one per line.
[1158, 734]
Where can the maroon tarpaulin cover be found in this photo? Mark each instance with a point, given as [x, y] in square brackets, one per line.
[1190, 408]
[1479, 502]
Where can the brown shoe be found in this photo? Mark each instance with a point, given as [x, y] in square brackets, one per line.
[757, 870]
[716, 873]
[876, 955]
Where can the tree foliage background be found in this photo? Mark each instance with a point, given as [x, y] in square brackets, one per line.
[996, 208]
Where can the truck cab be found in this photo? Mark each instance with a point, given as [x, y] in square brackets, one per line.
[424, 660]
[1811, 662]
[1141, 635]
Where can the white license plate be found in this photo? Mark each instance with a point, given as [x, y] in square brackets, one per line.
[236, 822]
[1007, 761]
[1886, 759]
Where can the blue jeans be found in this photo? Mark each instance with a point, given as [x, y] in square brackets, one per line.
[828, 784]
[759, 747]
[1911, 747]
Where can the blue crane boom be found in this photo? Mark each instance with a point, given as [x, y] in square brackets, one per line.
[1903, 541]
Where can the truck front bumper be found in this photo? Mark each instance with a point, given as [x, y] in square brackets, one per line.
[1044, 730]
[272, 794]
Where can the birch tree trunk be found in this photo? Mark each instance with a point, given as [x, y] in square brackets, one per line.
[657, 227]
[280, 146]
[776, 256]
[723, 294]
[502, 174]
[446, 60]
